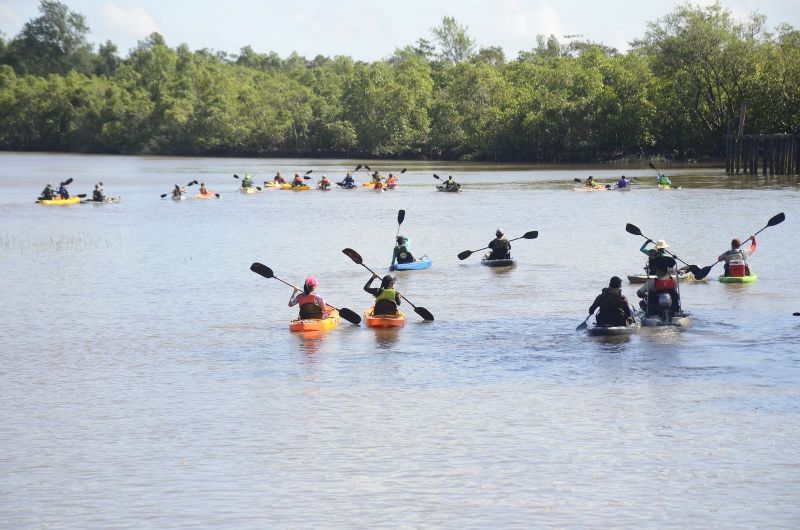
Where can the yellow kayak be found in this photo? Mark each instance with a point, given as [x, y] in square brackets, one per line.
[60, 202]
[316, 324]
[274, 184]
[304, 187]
[248, 190]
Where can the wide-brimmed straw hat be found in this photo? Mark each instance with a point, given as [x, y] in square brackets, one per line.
[661, 244]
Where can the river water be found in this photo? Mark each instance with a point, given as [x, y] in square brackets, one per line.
[148, 378]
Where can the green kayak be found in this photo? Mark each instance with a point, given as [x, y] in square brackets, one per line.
[738, 279]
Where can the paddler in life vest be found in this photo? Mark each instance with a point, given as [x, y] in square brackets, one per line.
[376, 177]
[500, 246]
[450, 184]
[663, 283]
[177, 191]
[738, 253]
[48, 193]
[391, 182]
[97, 194]
[387, 299]
[591, 182]
[312, 306]
[659, 250]
[614, 307]
[324, 183]
[247, 182]
[298, 181]
[663, 180]
[623, 182]
[401, 254]
[62, 191]
[348, 181]
[278, 179]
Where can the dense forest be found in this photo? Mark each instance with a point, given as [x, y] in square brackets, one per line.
[675, 94]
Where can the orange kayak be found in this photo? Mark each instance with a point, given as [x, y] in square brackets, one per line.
[384, 321]
[316, 324]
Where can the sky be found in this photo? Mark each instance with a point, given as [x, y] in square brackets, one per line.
[371, 29]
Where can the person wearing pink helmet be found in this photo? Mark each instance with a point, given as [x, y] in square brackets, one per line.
[312, 305]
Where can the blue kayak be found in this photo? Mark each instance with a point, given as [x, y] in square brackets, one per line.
[422, 263]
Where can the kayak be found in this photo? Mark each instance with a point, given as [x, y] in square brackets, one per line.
[346, 187]
[179, 197]
[586, 188]
[612, 331]
[678, 321]
[384, 321]
[248, 190]
[304, 187]
[510, 262]
[452, 189]
[664, 187]
[321, 188]
[738, 279]
[205, 196]
[274, 184]
[422, 263]
[60, 202]
[316, 324]
[107, 200]
[682, 277]
[368, 184]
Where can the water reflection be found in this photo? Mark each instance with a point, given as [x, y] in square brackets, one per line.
[386, 338]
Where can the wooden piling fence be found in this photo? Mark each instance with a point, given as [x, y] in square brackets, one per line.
[778, 154]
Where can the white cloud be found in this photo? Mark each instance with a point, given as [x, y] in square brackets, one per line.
[133, 22]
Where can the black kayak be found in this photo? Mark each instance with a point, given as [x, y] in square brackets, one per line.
[451, 189]
[510, 262]
[612, 331]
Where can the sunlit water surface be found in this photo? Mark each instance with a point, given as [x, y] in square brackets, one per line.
[148, 378]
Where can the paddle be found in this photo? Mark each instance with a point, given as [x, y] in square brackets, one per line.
[356, 257]
[655, 168]
[266, 272]
[163, 195]
[583, 325]
[401, 214]
[694, 269]
[796, 314]
[774, 220]
[236, 177]
[527, 235]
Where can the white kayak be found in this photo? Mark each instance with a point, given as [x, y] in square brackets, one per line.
[612, 331]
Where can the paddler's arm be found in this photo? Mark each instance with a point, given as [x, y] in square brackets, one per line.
[643, 249]
[371, 290]
[752, 249]
[293, 298]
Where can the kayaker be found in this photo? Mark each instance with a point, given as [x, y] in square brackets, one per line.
[378, 185]
[311, 304]
[247, 182]
[450, 184]
[738, 253]
[298, 181]
[659, 250]
[348, 181]
[324, 183]
[178, 191]
[278, 179]
[203, 189]
[401, 254]
[663, 283]
[614, 307]
[663, 180]
[391, 182]
[97, 194]
[48, 193]
[591, 182]
[376, 177]
[500, 246]
[623, 182]
[387, 299]
[62, 191]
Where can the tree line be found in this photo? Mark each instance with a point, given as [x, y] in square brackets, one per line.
[675, 94]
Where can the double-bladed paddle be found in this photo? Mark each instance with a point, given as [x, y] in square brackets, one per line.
[347, 314]
[774, 220]
[163, 195]
[356, 257]
[583, 325]
[694, 269]
[237, 176]
[533, 234]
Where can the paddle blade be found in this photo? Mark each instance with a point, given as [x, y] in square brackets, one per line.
[583, 325]
[81, 195]
[651, 165]
[367, 167]
[403, 170]
[68, 181]
[309, 171]
[776, 220]
[464, 255]
[577, 180]
[436, 176]
[236, 176]
[259, 189]
[163, 195]
[358, 167]
[796, 314]
[216, 195]
[698, 273]
[353, 255]
[400, 216]
[350, 315]
[633, 229]
[533, 234]
[424, 313]
[261, 270]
